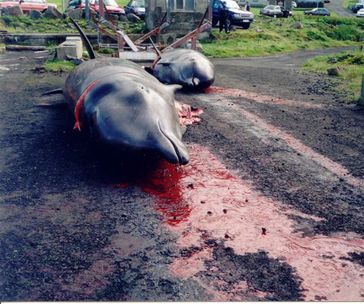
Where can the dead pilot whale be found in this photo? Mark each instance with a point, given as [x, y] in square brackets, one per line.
[186, 67]
[122, 105]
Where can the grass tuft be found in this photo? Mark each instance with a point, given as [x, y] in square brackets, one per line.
[58, 66]
[350, 65]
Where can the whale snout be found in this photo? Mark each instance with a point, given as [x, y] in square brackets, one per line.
[172, 148]
[141, 121]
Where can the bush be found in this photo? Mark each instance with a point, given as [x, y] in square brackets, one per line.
[316, 35]
[344, 32]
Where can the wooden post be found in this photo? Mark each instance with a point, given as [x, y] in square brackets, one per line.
[361, 99]
[101, 8]
[87, 11]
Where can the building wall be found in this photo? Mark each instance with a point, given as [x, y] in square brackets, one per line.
[181, 21]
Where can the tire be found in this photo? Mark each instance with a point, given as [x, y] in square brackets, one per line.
[245, 26]
[229, 24]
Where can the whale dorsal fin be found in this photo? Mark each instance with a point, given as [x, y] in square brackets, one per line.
[85, 40]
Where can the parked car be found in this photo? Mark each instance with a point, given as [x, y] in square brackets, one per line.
[236, 16]
[310, 3]
[360, 13]
[136, 7]
[357, 7]
[318, 11]
[28, 5]
[111, 7]
[275, 11]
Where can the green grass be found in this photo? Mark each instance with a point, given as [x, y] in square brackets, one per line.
[268, 36]
[58, 66]
[21, 24]
[351, 70]
[16, 24]
[2, 48]
[349, 3]
[59, 3]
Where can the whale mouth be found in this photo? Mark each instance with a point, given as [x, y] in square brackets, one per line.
[173, 149]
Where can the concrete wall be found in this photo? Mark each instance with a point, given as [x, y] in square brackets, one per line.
[181, 21]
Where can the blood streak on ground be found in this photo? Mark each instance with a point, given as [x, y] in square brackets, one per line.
[232, 207]
[292, 142]
[204, 198]
[261, 98]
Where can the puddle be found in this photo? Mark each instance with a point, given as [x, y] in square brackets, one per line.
[204, 197]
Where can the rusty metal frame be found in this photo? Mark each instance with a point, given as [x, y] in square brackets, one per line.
[202, 26]
[104, 26]
[154, 32]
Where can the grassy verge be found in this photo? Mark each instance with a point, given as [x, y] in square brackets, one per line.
[58, 66]
[349, 3]
[24, 24]
[351, 70]
[16, 24]
[59, 3]
[268, 36]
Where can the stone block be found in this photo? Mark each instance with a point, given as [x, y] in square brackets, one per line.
[12, 11]
[78, 42]
[70, 49]
[76, 13]
[35, 14]
[52, 13]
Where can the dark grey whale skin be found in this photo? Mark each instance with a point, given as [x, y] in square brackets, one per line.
[185, 67]
[127, 107]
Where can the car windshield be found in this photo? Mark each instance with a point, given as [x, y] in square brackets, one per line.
[269, 7]
[138, 3]
[231, 4]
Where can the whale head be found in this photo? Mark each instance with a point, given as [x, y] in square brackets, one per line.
[135, 115]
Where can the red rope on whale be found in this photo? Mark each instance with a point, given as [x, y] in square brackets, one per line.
[80, 103]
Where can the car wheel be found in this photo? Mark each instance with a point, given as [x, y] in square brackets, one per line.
[229, 24]
[245, 26]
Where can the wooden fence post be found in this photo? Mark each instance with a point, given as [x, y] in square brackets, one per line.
[361, 99]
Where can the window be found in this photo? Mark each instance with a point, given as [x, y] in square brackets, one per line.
[185, 5]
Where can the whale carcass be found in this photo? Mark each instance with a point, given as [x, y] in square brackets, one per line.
[185, 67]
[121, 104]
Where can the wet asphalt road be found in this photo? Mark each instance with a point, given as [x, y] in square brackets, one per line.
[270, 207]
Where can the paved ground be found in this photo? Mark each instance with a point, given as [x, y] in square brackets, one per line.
[270, 207]
[337, 7]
